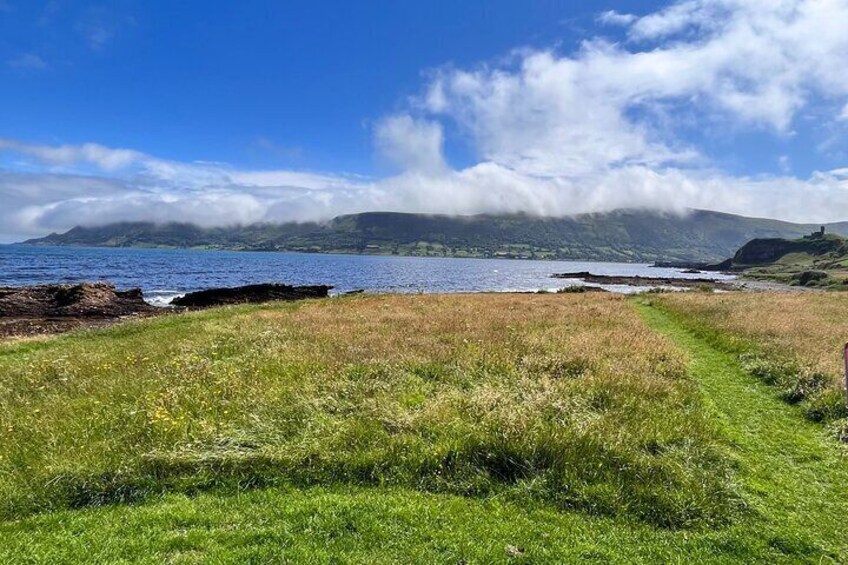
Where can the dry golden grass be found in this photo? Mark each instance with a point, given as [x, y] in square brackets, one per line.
[566, 399]
[793, 340]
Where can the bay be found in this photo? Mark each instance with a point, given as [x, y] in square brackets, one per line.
[165, 273]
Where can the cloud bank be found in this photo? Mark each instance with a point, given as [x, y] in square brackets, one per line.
[554, 134]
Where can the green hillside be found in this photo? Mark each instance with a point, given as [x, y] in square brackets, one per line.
[624, 235]
[813, 260]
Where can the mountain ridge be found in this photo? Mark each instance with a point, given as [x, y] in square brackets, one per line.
[629, 235]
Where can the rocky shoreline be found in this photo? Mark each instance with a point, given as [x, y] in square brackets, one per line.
[55, 308]
[250, 294]
[45, 309]
[637, 280]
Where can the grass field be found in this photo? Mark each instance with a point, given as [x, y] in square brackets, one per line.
[475, 428]
[792, 341]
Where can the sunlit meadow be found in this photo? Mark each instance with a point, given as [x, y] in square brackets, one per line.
[568, 400]
[793, 341]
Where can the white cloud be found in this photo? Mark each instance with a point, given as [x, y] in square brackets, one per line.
[611, 17]
[96, 35]
[27, 61]
[90, 153]
[97, 27]
[310, 181]
[411, 144]
[554, 134]
[682, 16]
[35, 204]
[554, 116]
[758, 64]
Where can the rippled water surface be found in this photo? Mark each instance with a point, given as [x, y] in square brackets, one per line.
[164, 273]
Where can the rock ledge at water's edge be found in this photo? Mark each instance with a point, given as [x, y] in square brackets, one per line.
[250, 294]
[55, 308]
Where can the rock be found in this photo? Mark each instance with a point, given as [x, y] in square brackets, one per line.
[804, 278]
[689, 266]
[646, 281]
[678, 264]
[513, 551]
[724, 266]
[573, 275]
[86, 300]
[577, 289]
[250, 294]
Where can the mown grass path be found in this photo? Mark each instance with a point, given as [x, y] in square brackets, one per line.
[794, 478]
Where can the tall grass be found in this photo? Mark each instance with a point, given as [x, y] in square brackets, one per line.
[793, 341]
[562, 399]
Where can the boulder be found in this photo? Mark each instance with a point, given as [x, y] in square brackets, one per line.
[804, 278]
[250, 294]
[86, 300]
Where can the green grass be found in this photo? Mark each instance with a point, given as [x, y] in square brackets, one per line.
[674, 462]
[795, 479]
[559, 399]
[792, 342]
[366, 525]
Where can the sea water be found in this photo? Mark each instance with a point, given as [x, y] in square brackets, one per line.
[166, 273]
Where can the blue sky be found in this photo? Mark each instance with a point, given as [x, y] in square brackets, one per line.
[236, 82]
[279, 111]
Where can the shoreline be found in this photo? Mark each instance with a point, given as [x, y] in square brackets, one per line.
[28, 325]
[653, 263]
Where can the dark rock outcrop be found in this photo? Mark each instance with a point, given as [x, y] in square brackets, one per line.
[86, 300]
[806, 278]
[253, 293]
[588, 277]
[47, 309]
[687, 266]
